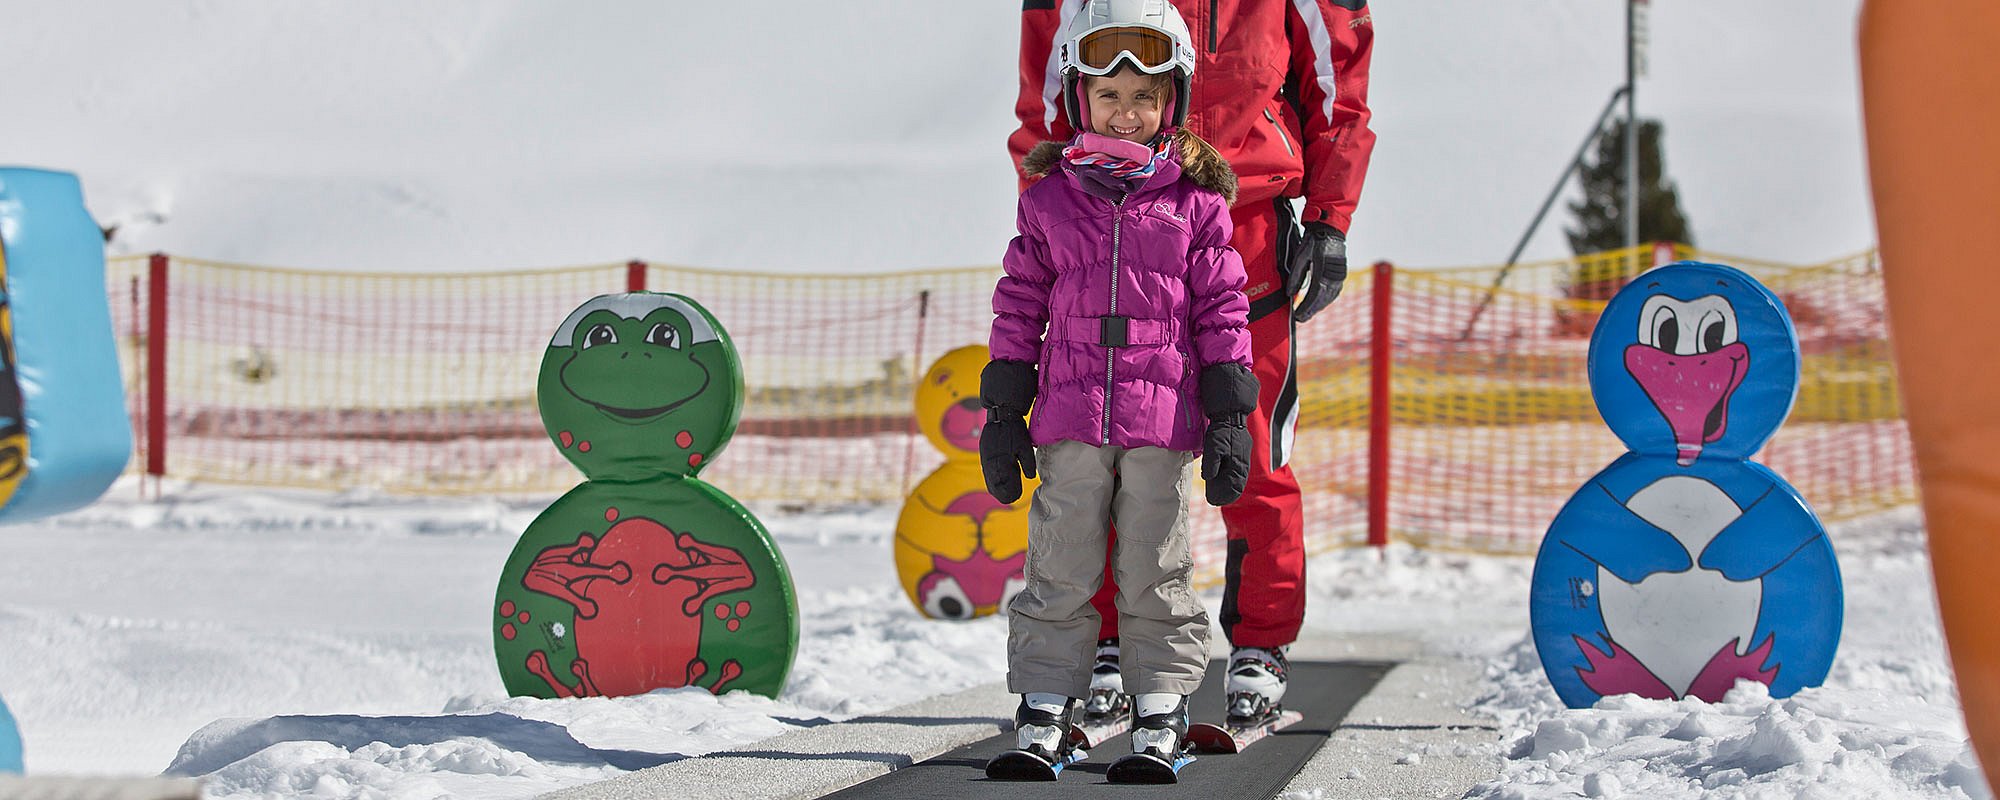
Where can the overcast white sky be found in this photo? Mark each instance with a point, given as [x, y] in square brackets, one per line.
[864, 135]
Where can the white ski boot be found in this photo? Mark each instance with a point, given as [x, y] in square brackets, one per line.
[1107, 685]
[1159, 741]
[1162, 735]
[1042, 744]
[1041, 732]
[1255, 683]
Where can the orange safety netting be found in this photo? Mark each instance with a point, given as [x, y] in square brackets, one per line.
[424, 384]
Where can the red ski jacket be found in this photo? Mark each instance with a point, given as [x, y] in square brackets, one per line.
[1280, 88]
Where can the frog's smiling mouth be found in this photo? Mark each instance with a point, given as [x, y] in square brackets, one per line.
[641, 416]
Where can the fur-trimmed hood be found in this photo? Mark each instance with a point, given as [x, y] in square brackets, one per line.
[1199, 161]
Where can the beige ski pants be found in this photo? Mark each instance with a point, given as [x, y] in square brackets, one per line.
[1163, 628]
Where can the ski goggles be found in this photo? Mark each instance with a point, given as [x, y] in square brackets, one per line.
[1098, 51]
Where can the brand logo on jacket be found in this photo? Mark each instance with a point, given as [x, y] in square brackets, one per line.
[1167, 207]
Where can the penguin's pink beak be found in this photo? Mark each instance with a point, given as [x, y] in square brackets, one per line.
[1691, 391]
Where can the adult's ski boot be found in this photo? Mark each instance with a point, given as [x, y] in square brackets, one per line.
[1107, 685]
[1255, 684]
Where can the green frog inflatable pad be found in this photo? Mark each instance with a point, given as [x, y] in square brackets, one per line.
[644, 577]
[635, 386]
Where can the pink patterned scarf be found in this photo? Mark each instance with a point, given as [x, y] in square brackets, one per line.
[1115, 165]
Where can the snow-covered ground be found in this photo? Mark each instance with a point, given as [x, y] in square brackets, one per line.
[336, 646]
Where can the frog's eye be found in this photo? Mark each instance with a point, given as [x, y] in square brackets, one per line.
[664, 335]
[599, 334]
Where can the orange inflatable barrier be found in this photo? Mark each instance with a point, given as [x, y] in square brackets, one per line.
[1931, 103]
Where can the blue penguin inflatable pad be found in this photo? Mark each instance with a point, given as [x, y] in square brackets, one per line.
[1683, 567]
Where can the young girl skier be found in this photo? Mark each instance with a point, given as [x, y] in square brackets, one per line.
[1121, 320]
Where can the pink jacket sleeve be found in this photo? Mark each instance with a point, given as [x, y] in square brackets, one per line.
[1021, 299]
[1217, 309]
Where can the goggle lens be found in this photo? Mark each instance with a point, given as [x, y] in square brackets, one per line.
[1099, 49]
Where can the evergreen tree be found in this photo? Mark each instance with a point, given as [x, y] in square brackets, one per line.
[1600, 216]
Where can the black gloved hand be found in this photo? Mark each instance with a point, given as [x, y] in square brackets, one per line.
[1007, 389]
[1321, 258]
[1225, 460]
[1228, 395]
[1005, 454]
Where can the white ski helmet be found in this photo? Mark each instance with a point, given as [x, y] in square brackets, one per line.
[1149, 35]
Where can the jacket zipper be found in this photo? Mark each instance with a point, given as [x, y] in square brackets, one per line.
[1211, 25]
[1282, 138]
[1111, 353]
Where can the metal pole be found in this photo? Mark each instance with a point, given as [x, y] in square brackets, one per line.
[1631, 129]
[1596, 130]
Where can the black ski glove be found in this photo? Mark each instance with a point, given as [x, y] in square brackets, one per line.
[1322, 257]
[1228, 395]
[1007, 389]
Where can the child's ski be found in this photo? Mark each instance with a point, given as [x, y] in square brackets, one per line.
[1147, 768]
[1022, 765]
[1232, 736]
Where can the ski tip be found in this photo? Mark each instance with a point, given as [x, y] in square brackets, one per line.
[1206, 738]
[1143, 768]
[1232, 736]
[1021, 765]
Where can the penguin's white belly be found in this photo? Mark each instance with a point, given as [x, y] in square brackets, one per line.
[1674, 622]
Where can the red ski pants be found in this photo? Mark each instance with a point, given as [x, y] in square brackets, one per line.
[1264, 589]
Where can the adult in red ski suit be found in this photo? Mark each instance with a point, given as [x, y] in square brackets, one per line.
[1281, 90]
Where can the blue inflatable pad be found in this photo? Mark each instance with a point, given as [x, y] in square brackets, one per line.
[1684, 567]
[78, 437]
[10, 742]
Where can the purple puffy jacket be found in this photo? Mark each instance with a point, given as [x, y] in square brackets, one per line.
[1161, 261]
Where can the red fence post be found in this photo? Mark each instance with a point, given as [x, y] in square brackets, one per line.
[1381, 356]
[156, 366]
[635, 276]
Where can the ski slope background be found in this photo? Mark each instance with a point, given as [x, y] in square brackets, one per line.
[289, 644]
[859, 136]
